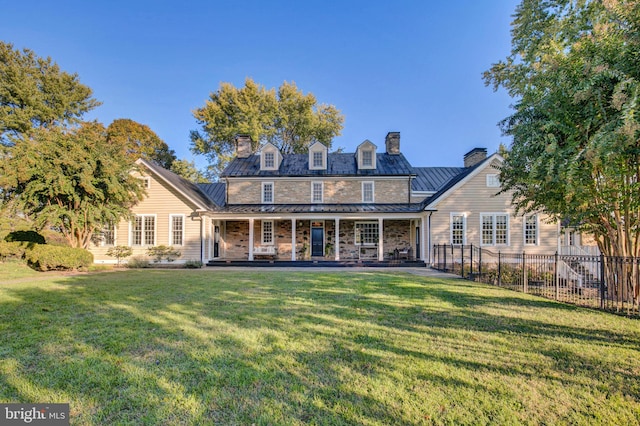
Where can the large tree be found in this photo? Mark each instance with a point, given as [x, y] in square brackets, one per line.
[139, 141]
[285, 117]
[35, 93]
[71, 179]
[574, 72]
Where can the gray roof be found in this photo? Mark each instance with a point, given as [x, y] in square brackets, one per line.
[187, 188]
[432, 179]
[217, 192]
[322, 208]
[338, 164]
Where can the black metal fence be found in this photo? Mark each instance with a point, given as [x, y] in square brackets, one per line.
[608, 283]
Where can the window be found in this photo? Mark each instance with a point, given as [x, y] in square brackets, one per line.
[458, 229]
[531, 230]
[267, 232]
[316, 192]
[269, 160]
[267, 192]
[143, 232]
[146, 182]
[495, 229]
[366, 233]
[176, 230]
[493, 181]
[106, 236]
[318, 158]
[367, 192]
[367, 158]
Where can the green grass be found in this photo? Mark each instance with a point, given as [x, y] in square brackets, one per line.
[13, 269]
[269, 348]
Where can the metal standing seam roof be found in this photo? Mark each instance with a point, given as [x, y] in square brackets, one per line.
[432, 179]
[216, 192]
[338, 164]
[322, 208]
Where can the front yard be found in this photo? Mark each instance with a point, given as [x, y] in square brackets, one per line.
[379, 348]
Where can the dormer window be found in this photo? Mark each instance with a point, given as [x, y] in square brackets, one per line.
[366, 156]
[317, 156]
[269, 160]
[270, 157]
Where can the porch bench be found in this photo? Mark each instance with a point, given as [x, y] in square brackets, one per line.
[405, 253]
[265, 251]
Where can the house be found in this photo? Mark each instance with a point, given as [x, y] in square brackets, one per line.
[370, 205]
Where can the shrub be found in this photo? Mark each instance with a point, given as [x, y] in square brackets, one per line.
[138, 262]
[192, 264]
[12, 250]
[28, 236]
[45, 258]
[163, 252]
[119, 252]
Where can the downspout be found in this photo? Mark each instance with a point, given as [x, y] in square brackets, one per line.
[428, 257]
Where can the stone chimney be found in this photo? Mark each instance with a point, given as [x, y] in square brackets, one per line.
[243, 146]
[475, 156]
[392, 142]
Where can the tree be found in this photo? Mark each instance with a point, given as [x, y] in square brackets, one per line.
[574, 70]
[188, 170]
[35, 93]
[71, 179]
[139, 141]
[289, 119]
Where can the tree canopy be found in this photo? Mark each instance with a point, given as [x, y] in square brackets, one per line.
[286, 117]
[139, 141]
[574, 72]
[35, 93]
[71, 179]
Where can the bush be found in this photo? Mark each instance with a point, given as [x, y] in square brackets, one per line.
[163, 252]
[138, 262]
[46, 258]
[119, 252]
[192, 264]
[12, 250]
[28, 236]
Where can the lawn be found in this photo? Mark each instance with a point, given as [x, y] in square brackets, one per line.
[296, 348]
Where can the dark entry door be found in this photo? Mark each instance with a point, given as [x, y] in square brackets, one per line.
[216, 241]
[317, 243]
[418, 242]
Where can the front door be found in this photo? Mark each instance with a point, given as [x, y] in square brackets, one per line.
[317, 241]
[216, 241]
[418, 243]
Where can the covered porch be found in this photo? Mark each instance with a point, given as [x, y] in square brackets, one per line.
[317, 240]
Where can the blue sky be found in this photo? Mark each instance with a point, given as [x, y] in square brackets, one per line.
[408, 66]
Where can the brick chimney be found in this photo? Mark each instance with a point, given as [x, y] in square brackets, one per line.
[475, 156]
[243, 146]
[392, 143]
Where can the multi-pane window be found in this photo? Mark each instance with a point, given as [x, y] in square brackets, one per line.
[316, 192]
[269, 160]
[366, 233]
[531, 230]
[267, 192]
[367, 192]
[143, 232]
[495, 229]
[318, 162]
[367, 158]
[176, 234]
[267, 232]
[493, 181]
[457, 229]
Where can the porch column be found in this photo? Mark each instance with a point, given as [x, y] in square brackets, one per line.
[203, 237]
[251, 239]
[293, 240]
[337, 239]
[424, 246]
[380, 240]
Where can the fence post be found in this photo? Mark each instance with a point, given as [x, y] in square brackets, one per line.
[479, 263]
[462, 260]
[525, 284]
[444, 252]
[602, 284]
[499, 270]
[471, 260]
[556, 277]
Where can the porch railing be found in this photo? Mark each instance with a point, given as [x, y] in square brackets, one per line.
[602, 282]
